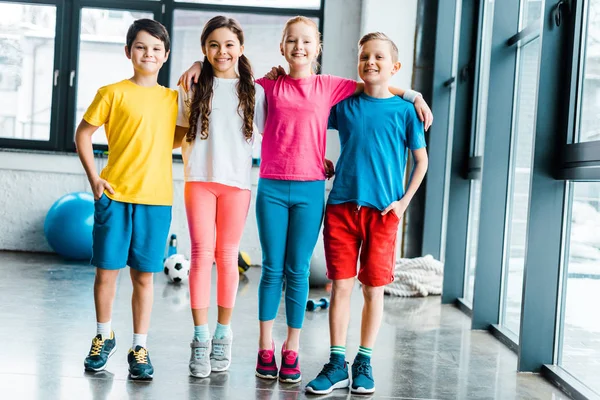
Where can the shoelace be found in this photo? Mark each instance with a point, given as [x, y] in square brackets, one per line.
[96, 346]
[363, 368]
[141, 356]
[199, 352]
[328, 370]
[218, 349]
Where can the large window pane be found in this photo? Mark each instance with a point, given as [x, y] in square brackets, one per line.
[478, 145]
[580, 340]
[102, 59]
[520, 168]
[26, 70]
[589, 124]
[306, 4]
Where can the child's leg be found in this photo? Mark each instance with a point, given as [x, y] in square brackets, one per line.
[141, 301]
[232, 210]
[342, 244]
[200, 206]
[105, 287]
[306, 215]
[272, 213]
[377, 259]
[372, 315]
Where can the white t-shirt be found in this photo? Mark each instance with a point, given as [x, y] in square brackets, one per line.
[225, 156]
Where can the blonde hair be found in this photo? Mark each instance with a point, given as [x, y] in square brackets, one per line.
[310, 22]
[380, 36]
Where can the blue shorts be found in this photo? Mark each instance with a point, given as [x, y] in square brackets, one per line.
[129, 234]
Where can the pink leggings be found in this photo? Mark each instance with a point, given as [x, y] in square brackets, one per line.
[214, 207]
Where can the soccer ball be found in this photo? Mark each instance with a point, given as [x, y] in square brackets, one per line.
[177, 268]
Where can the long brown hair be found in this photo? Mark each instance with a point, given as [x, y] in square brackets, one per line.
[200, 105]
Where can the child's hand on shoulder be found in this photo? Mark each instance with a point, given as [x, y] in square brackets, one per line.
[99, 185]
[275, 72]
[398, 207]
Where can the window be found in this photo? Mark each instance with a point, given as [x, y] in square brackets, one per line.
[579, 342]
[528, 61]
[478, 144]
[307, 4]
[26, 70]
[589, 123]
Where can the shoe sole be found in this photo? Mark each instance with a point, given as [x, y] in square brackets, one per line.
[338, 385]
[362, 390]
[222, 369]
[196, 375]
[102, 368]
[141, 377]
[290, 380]
[263, 376]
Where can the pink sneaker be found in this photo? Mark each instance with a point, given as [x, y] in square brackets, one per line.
[266, 366]
[290, 366]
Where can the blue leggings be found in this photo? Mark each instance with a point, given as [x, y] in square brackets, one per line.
[289, 216]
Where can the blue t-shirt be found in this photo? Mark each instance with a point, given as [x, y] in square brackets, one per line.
[375, 135]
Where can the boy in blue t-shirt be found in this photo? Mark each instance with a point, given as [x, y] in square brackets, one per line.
[366, 205]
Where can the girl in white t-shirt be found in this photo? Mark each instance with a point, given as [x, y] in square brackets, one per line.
[218, 118]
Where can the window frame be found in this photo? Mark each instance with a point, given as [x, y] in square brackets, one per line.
[66, 57]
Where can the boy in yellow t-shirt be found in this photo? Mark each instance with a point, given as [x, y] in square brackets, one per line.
[134, 192]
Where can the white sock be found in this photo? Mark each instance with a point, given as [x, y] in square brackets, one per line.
[139, 339]
[104, 329]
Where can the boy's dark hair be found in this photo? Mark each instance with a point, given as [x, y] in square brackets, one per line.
[151, 26]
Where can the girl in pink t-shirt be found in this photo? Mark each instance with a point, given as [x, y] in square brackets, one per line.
[291, 189]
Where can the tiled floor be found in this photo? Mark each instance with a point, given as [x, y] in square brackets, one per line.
[424, 351]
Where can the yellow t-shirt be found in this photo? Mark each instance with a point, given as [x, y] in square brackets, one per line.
[140, 125]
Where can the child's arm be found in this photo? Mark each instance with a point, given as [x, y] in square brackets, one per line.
[192, 74]
[180, 133]
[421, 163]
[85, 150]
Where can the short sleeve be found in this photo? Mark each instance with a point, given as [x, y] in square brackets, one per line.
[267, 84]
[260, 108]
[98, 112]
[415, 135]
[332, 122]
[340, 88]
[183, 107]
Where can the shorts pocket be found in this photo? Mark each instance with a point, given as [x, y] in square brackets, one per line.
[101, 209]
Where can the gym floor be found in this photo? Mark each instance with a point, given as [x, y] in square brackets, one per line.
[425, 350]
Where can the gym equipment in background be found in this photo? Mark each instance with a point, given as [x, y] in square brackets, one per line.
[312, 305]
[68, 226]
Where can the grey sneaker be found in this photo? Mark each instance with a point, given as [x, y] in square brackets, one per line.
[199, 359]
[220, 355]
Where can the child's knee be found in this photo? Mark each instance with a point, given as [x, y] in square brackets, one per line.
[372, 292]
[343, 287]
[141, 280]
[106, 276]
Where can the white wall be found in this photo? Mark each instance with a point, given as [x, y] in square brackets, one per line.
[31, 182]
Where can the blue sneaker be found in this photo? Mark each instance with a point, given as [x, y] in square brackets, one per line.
[140, 366]
[362, 376]
[100, 352]
[332, 376]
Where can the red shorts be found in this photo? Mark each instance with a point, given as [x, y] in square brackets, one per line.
[350, 230]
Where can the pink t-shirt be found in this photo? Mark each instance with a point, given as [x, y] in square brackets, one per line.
[294, 141]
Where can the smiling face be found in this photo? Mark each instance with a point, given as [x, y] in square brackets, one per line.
[375, 62]
[147, 54]
[222, 48]
[300, 46]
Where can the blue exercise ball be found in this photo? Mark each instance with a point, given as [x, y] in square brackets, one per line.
[68, 226]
